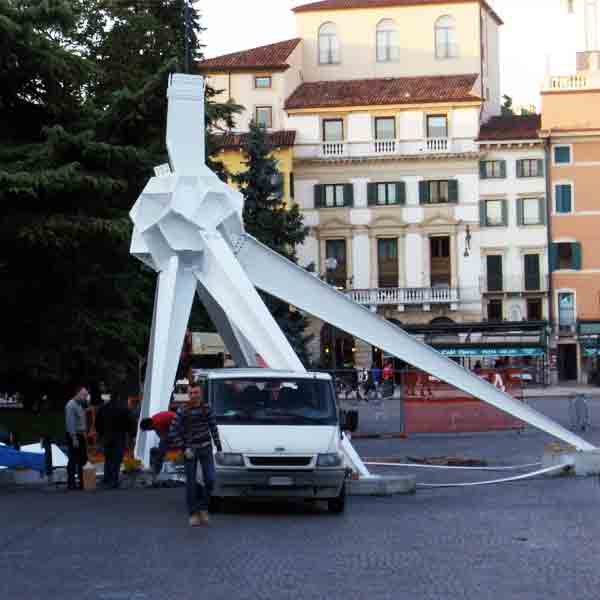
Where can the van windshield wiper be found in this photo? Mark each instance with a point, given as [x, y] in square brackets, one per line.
[297, 416]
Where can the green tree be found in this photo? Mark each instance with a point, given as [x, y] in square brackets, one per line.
[507, 107]
[268, 219]
[83, 108]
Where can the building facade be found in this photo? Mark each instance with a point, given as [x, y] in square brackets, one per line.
[571, 129]
[430, 218]
[512, 219]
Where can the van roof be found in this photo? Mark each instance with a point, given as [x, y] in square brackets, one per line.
[249, 373]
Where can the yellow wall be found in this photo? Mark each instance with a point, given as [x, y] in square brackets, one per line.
[234, 159]
[356, 34]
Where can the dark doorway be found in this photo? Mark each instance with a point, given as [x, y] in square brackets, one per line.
[441, 270]
[387, 261]
[494, 273]
[567, 362]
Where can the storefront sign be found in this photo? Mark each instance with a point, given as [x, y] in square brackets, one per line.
[482, 352]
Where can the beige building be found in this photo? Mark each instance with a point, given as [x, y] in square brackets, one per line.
[386, 99]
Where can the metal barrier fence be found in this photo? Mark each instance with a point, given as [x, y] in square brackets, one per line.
[411, 401]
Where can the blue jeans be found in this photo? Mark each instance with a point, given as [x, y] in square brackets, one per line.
[197, 495]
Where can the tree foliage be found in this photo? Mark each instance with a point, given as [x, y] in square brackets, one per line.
[82, 123]
[268, 219]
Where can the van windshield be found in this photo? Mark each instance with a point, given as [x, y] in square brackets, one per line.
[273, 401]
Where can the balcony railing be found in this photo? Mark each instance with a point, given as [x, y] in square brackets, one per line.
[579, 81]
[383, 148]
[437, 145]
[513, 285]
[401, 296]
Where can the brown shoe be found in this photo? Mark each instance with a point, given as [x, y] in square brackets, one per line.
[204, 520]
[195, 520]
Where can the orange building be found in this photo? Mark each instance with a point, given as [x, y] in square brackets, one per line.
[571, 128]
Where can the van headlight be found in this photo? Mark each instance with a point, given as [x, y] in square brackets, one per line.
[228, 459]
[331, 459]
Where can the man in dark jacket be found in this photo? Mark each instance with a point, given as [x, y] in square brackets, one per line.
[114, 423]
[193, 429]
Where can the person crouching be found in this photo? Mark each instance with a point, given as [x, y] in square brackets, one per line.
[160, 423]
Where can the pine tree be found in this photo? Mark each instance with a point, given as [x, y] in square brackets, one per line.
[83, 110]
[268, 219]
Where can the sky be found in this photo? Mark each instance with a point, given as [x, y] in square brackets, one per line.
[528, 36]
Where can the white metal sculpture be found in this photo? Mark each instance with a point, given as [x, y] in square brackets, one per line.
[188, 227]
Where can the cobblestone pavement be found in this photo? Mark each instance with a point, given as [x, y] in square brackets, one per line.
[527, 540]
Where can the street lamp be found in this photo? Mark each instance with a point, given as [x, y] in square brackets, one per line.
[467, 242]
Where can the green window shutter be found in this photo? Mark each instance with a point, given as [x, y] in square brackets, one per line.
[452, 190]
[553, 257]
[348, 194]
[567, 199]
[292, 190]
[482, 213]
[371, 194]
[503, 169]
[540, 167]
[319, 193]
[519, 168]
[576, 256]
[542, 202]
[558, 194]
[401, 192]
[505, 213]
[424, 192]
[519, 211]
[482, 171]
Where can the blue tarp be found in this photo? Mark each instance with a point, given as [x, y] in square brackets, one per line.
[13, 459]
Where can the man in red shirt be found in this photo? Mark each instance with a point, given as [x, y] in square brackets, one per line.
[161, 424]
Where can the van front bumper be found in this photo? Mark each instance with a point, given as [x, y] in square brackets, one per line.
[258, 483]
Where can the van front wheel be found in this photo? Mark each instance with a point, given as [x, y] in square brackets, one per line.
[338, 505]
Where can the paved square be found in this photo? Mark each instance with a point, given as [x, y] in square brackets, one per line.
[527, 540]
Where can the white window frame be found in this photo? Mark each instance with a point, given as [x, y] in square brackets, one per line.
[494, 161]
[392, 43]
[563, 182]
[336, 188]
[258, 87]
[539, 220]
[530, 160]
[270, 126]
[388, 186]
[566, 164]
[450, 43]
[501, 203]
[330, 48]
[557, 307]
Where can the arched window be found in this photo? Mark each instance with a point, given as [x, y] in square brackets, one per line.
[388, 47]
[329, 47]
[445, 38]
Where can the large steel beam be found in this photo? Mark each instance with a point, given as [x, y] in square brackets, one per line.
[276, 275]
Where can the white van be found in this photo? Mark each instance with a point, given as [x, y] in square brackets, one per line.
[280, 434]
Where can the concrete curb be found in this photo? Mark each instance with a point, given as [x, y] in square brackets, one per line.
[382, 485]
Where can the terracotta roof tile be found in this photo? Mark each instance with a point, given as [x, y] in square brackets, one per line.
[281, 138]
[511, 127]
[272, 56]
[349, 4]
[374, 92]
